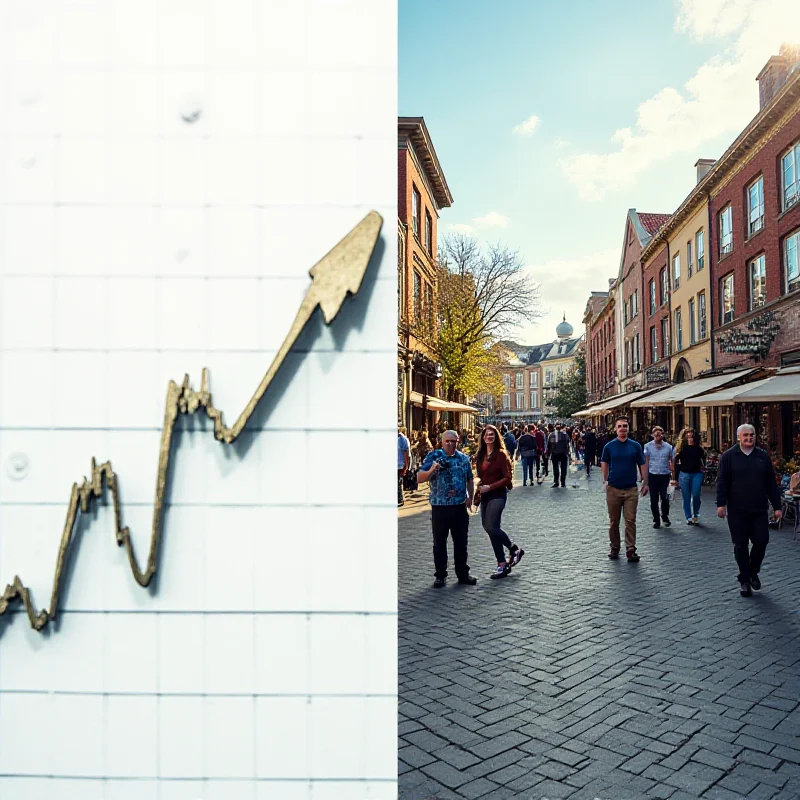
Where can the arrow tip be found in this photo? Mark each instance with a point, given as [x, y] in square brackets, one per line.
[343, 269]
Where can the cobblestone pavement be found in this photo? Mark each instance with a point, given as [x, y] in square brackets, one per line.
[580, 677]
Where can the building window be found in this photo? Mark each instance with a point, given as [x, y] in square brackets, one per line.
[548, 377]
[790, 170]
[676, 270]
[519, 399]
[701, 314]
[664, 285]
[653, 296]
[634, 304]
[700, 249]
[416, 203]
[625, 312]
[653, 345]
[755, 206]
[758, 282]
[519, 379]
[665, 337]
[692, 323]
[534, 380]
[401, 277]
[429, 304]
[534, 399]
[506, 402]
[791, 258]
[688, 260]
[678, 331]
[507, 381]
[726, 299]
[627, 358]
[428, 233]
[636, 363]
[726, 230]
[417, 297]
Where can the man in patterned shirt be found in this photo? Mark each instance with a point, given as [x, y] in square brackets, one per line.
[452, 487]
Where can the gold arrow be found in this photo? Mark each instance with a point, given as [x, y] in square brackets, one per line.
[338, 274]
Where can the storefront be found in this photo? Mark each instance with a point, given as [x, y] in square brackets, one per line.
[602, 414]
[666, 407]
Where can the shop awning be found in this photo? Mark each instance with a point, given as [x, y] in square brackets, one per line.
[587, 412]
[680, 392]
[610, 403]
[778, 389]
[437, 404]
[724, 397]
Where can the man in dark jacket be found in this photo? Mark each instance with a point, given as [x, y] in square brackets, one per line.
[589, 449]
[745, 483]
[558, 449]
[526, 450]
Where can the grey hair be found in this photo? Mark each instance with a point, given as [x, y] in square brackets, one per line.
[746, 427]
[455, 433]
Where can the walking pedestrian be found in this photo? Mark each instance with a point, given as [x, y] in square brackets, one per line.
[540, 448]
[690, 460]
[526, 451]
[510, 441]
[746, 482]
[494, 472]
[659, 457]
[589, 449]
[452, 486]
[403, 460]
[622, 462]
[546, 431]
[558, 447]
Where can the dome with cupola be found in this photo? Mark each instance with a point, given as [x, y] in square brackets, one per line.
[564, 329]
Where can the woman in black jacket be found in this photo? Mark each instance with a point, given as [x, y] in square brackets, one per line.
[690, 461]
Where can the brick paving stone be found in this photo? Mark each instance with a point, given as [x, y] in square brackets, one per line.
[558, 680]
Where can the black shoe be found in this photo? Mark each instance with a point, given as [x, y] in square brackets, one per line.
[632, 556]
[755, 582]
[468, 580]
[554, 486]
[745, 590]
[438, 583]
[666, 521]
[563, 486]
[657, 524]
[524, 484]
[613, 553]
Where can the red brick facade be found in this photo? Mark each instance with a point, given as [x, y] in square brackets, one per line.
[657, 318]
[601, 349]
[634, 334]
[760, 335]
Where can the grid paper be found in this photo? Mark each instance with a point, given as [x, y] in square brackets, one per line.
[169, 172]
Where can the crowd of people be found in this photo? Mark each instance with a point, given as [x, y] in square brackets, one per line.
[746, 486]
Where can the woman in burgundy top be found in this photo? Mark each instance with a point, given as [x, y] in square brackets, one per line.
[494, 471]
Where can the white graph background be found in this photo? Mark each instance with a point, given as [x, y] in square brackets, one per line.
[169, 171]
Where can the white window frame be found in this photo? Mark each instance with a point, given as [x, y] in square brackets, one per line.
[637, 364]
[534, 380]
[676, 270]
[534, 399]
[702, 322]
[692, 322]
[665, 342]
[755, 206]
[678, 330]
[723, 283]
[663, 280]
[688, 260]
[506, 380]
[653, 296]
[416, 204]
[519, 401]
[759, 262]
[654, 344]
[506, 402]
[700, 248]
[790, 192]
[548, 377]
[726, 230]
[791, 259]
[519, 380]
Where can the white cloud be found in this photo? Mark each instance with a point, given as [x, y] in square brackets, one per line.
[720, 98]
[527, 127]
[560, 144]
[491, 220]
[459, 227]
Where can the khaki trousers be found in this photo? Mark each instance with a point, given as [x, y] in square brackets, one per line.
[619, 501]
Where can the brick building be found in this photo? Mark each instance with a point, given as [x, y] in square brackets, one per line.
[601, 343]
[631, 342]
[422, 192]
[657, 270]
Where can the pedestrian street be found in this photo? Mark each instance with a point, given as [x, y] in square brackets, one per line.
[580, 677]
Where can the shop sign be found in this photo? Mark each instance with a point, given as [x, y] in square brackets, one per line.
[655, 376]
[754, 339]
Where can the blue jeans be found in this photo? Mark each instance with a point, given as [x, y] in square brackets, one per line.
[527, 467]
[690, 483]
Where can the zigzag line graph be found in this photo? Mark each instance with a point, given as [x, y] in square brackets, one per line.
[338, 274]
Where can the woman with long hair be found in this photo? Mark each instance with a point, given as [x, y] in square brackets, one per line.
[690, 460]
[494, 472]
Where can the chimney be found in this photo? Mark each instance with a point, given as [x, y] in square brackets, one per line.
[703, 167]
[776, 72]
[611, 282]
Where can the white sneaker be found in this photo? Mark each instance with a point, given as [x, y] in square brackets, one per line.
[695, 520]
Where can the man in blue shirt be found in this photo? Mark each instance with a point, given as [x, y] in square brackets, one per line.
[452, 487]
[622, 462]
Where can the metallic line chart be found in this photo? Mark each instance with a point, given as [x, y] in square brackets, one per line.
[336, 275]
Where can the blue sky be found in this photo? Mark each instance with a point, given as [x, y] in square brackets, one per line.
[626, 97]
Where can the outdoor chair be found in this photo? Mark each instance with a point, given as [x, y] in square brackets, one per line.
[791, 511]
